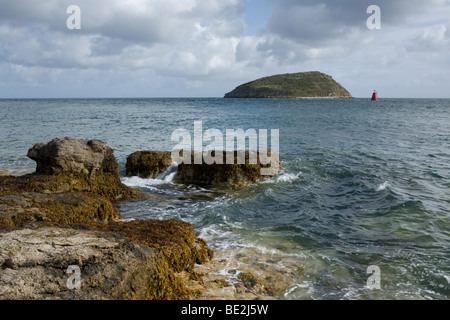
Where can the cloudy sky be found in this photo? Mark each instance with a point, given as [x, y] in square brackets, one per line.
[205, 48]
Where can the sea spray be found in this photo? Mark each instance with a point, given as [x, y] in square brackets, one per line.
[385, 185]
[169, 174]
[164, 178]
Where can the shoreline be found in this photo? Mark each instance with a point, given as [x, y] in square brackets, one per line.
[49, 218]
[206, 281]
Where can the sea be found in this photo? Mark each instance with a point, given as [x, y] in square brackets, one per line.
[360, 210]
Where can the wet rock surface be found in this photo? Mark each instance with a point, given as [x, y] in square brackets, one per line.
[233, 172]
[32, 209]
[245, 274]
[148, 164]
[229, 170]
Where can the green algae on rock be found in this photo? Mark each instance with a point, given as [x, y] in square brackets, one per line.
[174, 239]
[75, 181]
[230, 174]
[253, 283]
[68, 205]
[226, 176]
[34, 264]
[176, 243]
[107, 185]
[148, 164]
[63, 209]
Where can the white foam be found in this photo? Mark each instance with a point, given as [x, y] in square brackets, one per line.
[291, 291]
[137, 182]
[384, 186]
[285, 177]
[164, 178]
[169, 174]
[447, 278]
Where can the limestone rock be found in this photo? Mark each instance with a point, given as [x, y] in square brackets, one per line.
[231, 174]
[148, 164]
[73, 188]
[72, 164]
[73, 155]
[34, 265]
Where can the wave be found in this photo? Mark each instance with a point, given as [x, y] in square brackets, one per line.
[166, 177]
[169, 174]
[17, 171]
[285, 177]
[137, 182]
[385, 185]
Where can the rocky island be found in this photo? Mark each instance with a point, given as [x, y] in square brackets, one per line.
[292, 85]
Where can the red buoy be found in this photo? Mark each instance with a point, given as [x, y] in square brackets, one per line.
[375, 96]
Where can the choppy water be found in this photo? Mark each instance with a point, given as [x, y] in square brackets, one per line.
[364, 183]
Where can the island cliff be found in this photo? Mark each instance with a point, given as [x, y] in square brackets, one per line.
[292, 85]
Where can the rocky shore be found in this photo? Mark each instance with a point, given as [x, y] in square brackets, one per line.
[64, 217]
[225, 176]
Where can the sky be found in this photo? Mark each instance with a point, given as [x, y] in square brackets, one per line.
[205, 48]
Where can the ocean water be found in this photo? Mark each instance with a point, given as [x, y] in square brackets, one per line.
[364, 184]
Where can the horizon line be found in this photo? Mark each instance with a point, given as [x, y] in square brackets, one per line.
[205, 97]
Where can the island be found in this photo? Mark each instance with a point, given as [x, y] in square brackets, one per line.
[291, 85]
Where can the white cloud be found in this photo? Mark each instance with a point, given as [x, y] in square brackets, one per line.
[198, 47]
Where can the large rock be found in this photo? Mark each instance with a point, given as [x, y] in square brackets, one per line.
[75, 181]
[229, 175]
[148, 164]
[34, 265]
[72, 164]
[73, 155]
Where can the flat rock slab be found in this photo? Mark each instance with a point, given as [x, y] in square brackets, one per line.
[34, 265]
